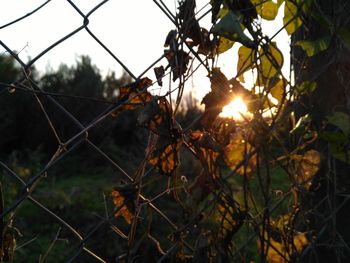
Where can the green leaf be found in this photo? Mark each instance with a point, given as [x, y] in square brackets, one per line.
[245, 58]
[224, 45]
[313, 47]
[341, 120]
[268, 10]
[291, 19]
[345, 36]
[305, 87]
[277, 90]
[339, 152]
[230, 27]
[334, 137]
[338, 139]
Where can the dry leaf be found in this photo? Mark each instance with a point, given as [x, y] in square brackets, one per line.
[307, 166]
[279, 252]
[123, 200]
[238, 151]
[133, 95]
[165, 156]
[157, 116]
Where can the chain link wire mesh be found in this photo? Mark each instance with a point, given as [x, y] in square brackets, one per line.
[157, 209]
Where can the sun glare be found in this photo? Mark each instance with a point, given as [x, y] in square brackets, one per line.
[236, 110]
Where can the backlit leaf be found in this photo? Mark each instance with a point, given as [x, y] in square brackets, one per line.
[278, 89]
[133, 95]
[271, 62]
[291, 19]
[268, 10]
[224, 45]
[165, 156]
[245, 61]
[152, 116]
[121, 204]
[313, 47]
[230, 216]
[279, 252]
[282, 241]
[237, 153]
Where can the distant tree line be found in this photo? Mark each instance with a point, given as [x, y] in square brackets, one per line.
[81, 90]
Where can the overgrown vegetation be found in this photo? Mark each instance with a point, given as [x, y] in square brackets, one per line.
[127, 176]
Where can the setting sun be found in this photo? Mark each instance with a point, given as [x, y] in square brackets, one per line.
[236, 109]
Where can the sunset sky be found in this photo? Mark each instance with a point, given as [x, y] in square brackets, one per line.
[133, 30]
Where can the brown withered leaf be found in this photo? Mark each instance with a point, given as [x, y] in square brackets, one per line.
[206, 150]
[207, 47]
[178, 62]
[307, 166]
[159, 72]
[123, 198]
[157, 116]
[133, 95]
[189, 25]
[239, 150]
[171, 38]
[165, 155]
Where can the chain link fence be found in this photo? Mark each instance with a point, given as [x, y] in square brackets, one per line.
[163, 225]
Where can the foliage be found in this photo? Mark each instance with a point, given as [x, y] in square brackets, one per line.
[196, 182]
[219, 144]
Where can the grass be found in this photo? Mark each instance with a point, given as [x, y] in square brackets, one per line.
[80, 196]
[78, 190]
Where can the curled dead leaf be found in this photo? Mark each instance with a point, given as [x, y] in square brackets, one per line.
[133, 95]
[157, 116]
